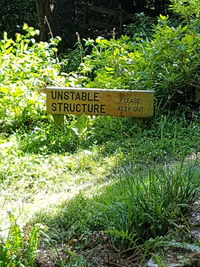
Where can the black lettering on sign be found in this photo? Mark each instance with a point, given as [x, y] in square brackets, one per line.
[84, 106]
[72, 107]
[53, 106]
[66, 107]
[53, 94]
[60, 106]
[129, 108]
[124, 108]
[78, 96]
[66, 95]
[131, 100]
[75, 96]
[60, 95]
[96, 108]
[90, 97]
[138, 109]
[90, 108]
[84, 96]
[96, 96]
[78, 108]
[102, 108]
[72, 93]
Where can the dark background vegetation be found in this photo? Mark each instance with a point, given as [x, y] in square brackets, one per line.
[66, 16]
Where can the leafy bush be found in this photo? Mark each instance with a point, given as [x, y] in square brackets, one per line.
[26, 66]
[141, 27]
[47, 139]
[187, 9]
[168, 62]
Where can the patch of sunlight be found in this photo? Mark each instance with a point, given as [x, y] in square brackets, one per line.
[31, 183]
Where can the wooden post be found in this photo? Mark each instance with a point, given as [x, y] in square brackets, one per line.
[58, 119]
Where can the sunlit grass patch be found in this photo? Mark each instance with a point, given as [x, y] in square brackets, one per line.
[30, 182]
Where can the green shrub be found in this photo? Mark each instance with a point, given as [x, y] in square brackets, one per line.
[141, 26]
[187, 9]
[47, 139]
[26, 66]
[168, 62]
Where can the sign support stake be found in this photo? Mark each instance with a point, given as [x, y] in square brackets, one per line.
[58, 119]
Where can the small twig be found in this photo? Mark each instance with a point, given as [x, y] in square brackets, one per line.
[80, 45]
[49, 26]
[114, 33]
[135, 259]
[51, 33]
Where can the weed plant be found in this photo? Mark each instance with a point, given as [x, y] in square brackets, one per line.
[20, 246]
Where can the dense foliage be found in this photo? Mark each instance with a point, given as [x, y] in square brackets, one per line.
[69, 14]
[167, 61]
[19, 248]
[26, 66]
[14, 13]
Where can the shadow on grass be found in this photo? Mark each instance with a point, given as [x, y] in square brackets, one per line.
[140, 142]
[133, 209]
[80, 132]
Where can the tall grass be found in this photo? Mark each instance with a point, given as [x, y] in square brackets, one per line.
[133, 210]
[141, 207]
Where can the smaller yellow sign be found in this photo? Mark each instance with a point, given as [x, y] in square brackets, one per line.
[104, 102]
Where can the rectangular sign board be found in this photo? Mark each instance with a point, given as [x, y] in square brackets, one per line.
[104, 102]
